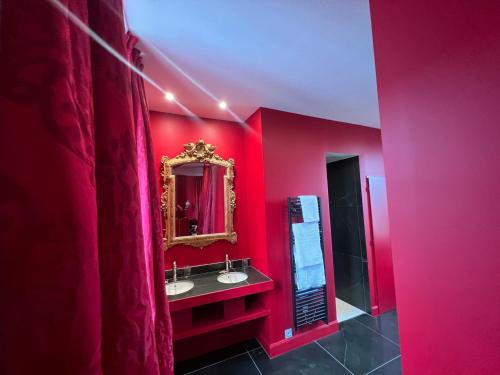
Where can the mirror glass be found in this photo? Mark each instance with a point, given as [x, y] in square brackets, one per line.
[199, 199]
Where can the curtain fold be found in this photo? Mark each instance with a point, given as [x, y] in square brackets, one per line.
[81, 259]
[151, 215]
[207, 200]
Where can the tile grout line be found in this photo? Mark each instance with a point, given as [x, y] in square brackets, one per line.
[253, 361]
[218, 362]
[380, 314]
[331, 355]
[377, 332]
[215, 363]
[345, 347]
[383, 364]
[345, 352]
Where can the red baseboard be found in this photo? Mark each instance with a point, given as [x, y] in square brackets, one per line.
[278, 348]
[375, 310]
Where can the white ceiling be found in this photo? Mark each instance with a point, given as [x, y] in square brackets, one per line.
[311, 57]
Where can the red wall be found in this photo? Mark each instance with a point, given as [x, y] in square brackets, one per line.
[244, 144]
[439, 89]
[382, 265]
[253, 201]
[277, 155]
[295, 149]
[169, 133]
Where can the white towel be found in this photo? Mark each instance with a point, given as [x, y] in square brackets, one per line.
[309, 268]
[310, 277]
[307, 250]
[310, 210]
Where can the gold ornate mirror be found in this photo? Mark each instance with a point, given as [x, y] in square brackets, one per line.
[198, 198]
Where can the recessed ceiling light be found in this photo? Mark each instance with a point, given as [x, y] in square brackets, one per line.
[169, 96]
[222, 104]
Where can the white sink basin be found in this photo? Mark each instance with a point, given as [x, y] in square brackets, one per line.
[178, 287]
[232, 277]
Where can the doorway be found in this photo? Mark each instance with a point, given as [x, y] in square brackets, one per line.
[348, 236]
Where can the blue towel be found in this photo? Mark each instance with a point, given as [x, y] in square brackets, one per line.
[307, 251]
[310, 211]
[309, 268]
[310, 277]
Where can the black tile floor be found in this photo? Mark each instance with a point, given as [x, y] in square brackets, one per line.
[364, 345]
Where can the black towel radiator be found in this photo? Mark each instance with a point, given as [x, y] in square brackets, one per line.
[309, 305]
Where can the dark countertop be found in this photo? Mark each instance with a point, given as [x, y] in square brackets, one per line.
[206, 283]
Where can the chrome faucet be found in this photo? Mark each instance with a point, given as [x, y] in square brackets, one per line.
[174, 271]
[228, 264]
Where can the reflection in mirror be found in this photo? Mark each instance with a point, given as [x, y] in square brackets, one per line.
[199, 199]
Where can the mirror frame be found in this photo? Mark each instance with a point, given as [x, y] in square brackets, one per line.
[199, 152]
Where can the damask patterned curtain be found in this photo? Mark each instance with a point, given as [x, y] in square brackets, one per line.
[81, 263]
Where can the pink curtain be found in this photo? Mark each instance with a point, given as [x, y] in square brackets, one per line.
[151, 217]
[81, 276]
[207, 200]
[211, 216]
[219, 199]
